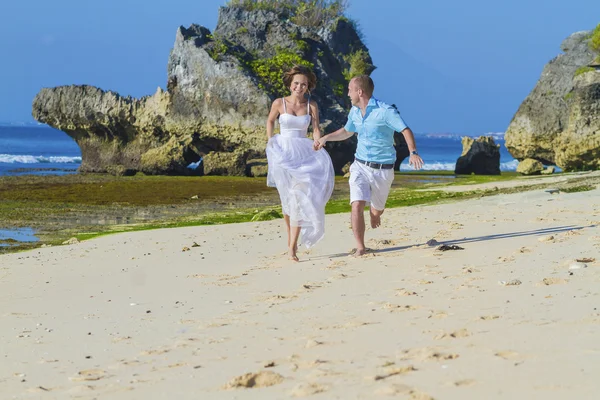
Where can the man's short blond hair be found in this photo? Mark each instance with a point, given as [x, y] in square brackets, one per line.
[365, 83]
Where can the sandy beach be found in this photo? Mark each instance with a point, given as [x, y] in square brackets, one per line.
[187, 313]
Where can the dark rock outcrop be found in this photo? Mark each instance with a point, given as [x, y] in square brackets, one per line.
[216, 101]
[480, 156]
[559, 121]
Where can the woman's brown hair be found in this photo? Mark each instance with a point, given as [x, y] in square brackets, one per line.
[288, 77]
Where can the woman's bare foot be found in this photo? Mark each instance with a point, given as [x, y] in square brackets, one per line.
[292, 254]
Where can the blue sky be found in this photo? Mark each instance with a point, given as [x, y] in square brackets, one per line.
[460, 66]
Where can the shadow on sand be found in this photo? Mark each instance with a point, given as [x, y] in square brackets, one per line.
[545, 231]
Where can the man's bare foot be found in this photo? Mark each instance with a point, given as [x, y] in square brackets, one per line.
[360, 253]
[292, 254]
[375, 220]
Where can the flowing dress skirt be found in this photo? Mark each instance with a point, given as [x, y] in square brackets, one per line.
[304, 179]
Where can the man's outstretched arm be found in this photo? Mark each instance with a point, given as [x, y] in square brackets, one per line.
[337, 136]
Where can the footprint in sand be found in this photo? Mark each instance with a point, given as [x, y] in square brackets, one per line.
[313, 343]
[154, 352]
[255, 380]
[507, 354]
[489, 317]
[552, 281]
[307, 389]
[427, 354]
[404, 292]
[393, 390]
[398, 307]
[417, 395]
[89, 375]
[336, 264]
[394, 371]
[464, 383]
[437, 314]
[461, 333]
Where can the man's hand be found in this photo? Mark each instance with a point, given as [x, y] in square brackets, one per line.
[415, 161]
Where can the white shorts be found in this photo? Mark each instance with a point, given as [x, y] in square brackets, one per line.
[370, 184]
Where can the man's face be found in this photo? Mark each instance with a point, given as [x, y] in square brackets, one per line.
[353, 92]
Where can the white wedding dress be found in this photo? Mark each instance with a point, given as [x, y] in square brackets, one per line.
[303, 177]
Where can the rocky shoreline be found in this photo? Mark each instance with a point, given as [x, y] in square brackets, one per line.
[219, 89]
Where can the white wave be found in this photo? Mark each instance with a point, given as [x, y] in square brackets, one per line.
[431, 166]
[449, 166]
[28, 159]
[195, 165]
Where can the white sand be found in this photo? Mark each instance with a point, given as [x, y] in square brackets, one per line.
[132, 316]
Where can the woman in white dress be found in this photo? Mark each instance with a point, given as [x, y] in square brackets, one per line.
[302, 175]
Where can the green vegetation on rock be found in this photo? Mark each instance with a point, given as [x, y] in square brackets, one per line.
[359, 64]
[583, 70]
[269, 71]
[595, 39]
[217, 48]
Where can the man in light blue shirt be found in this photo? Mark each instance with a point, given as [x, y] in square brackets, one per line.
[372, 172]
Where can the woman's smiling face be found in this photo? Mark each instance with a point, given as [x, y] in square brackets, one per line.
[299, 85]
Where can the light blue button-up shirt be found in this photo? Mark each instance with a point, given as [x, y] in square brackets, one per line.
[375, 131]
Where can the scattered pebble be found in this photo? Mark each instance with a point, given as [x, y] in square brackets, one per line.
[577, 265]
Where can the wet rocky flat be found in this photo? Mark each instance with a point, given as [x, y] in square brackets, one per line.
[48, 210]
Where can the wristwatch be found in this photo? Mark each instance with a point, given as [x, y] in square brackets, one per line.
[414, 153]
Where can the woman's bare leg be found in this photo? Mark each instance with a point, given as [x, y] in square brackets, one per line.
[293, 243]
[292, 237]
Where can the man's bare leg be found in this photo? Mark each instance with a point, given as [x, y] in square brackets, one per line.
[375, 217]
[358, 226]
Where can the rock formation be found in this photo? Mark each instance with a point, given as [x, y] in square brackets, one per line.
[219, 89]
[529, 166]
[480, 156]
[559, 121]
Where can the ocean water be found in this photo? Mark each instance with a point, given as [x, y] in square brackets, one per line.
[43, 150]
[38, 151]
[440, 152]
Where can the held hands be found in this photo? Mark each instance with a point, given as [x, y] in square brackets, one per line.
[415, 161]
[318, 144]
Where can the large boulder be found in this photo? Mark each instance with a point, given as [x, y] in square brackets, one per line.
[559, 121]
[480, 156]
[529, 166]
[219, 89]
